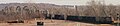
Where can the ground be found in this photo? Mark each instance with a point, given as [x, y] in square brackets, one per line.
[49, 22]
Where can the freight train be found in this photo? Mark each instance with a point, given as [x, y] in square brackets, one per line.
[88, 19]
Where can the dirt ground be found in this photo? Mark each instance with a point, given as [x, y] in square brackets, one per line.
[52, 23]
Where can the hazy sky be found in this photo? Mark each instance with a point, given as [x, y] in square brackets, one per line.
[60, 2]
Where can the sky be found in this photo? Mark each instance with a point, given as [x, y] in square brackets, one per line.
[60, 2]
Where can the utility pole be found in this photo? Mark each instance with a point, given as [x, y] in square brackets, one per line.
[77, 13]
[118, 18]
[65, 14]
[52, 15]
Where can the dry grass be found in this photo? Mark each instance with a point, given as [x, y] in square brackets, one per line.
[52, 23]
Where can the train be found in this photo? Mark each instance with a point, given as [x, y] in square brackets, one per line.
[88, 19]
[91, 19]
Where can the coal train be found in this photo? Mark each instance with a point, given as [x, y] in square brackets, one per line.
[88, 19]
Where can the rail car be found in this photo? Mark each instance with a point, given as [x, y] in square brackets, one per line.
[89, 19]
